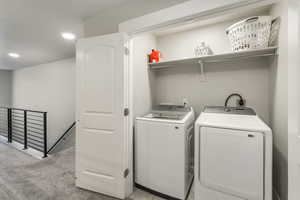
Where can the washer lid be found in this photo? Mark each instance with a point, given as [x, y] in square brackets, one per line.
[171, 108]
[169, 114]
[164, 115]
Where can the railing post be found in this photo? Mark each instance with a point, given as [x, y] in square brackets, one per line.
[9, 125]
[25, 129]
[45, 133]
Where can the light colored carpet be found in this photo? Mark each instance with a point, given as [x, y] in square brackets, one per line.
[23, 177]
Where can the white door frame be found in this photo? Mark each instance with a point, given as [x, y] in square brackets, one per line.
[293, 99]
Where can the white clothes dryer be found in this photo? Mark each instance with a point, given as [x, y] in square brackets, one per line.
[233, 155]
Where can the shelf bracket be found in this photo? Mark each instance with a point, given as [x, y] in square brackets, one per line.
[202, 74]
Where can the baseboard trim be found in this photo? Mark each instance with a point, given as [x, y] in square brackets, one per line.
[20, 147]
[275, 195]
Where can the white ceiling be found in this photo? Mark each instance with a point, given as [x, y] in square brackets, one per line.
[32, 28]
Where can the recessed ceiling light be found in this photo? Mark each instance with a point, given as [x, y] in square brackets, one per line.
[14, 55]
[68, 36]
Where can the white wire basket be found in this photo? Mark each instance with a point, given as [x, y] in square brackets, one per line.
[251, 33]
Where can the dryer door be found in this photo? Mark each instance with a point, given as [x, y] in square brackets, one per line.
[231, 162]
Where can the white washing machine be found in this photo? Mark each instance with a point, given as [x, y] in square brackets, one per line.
[164, 150]
[233, 155]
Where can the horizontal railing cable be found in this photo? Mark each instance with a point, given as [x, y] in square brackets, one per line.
[28, 127]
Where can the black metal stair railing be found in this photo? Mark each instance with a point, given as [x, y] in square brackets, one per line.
[3, 122]
[27, 127]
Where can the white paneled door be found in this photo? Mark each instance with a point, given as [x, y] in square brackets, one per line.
[102, 136]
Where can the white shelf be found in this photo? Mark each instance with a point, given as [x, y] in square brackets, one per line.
[267, 52]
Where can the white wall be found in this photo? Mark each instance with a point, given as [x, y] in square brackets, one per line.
[142, 77]
[279, 105]
[293, 100]
[109, 20]
[182, 44]
[5, 87]
[49, 87]
[250, 77]
[293, 73]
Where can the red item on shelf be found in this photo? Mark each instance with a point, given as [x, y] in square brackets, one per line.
[154, 56]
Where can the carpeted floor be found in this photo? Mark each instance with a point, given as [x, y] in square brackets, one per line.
[23, 177]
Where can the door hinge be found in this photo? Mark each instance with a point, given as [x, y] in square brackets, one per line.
[126, 51]
[126, 112]
[126, 172]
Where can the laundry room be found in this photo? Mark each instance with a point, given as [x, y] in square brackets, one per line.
[196, 100]
[179, 78]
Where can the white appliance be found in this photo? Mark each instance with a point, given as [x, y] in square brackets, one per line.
[233, 155]
[164, 151]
